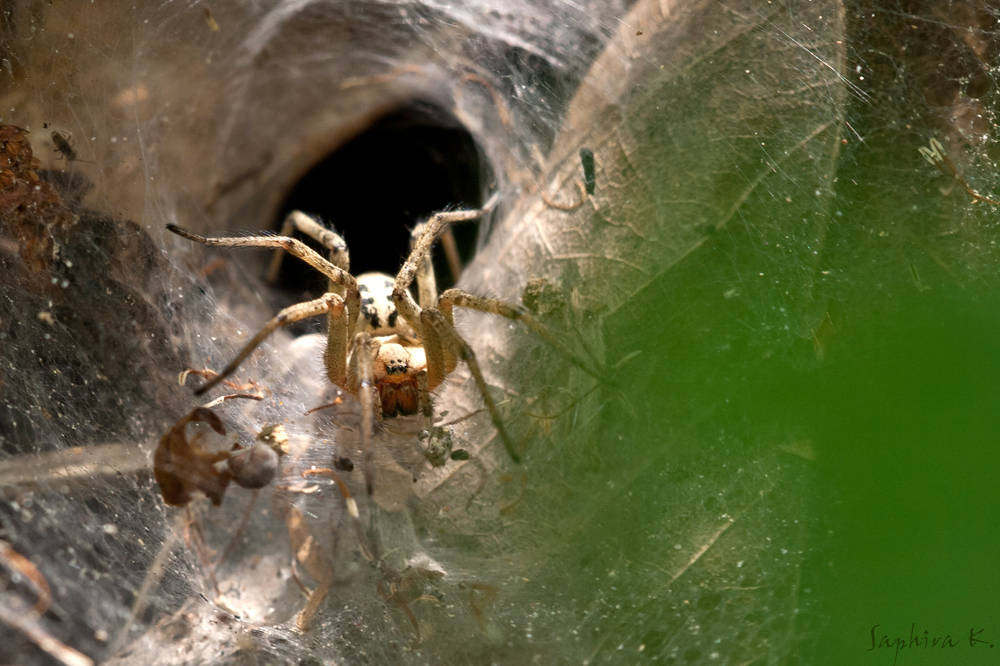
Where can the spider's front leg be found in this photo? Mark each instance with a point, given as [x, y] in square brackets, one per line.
[442, 345]
[343, 311]
[418, 264]
[327, 303]
[337, 275]
[427, 293]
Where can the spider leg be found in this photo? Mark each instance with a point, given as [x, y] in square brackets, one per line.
[450, 248]
[350, 504]
[419, 252]
[454, 297]
[360, 380]
[295, 247]
[299, 221]
[424, 396]
[331, 303]
[440, 333]
[338, 331]
[426, 282]
[438, 366]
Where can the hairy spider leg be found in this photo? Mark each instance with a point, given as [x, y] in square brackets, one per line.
[343, 312]
[413, 267]
[293, 246]
[450, 247]
[453, 297]
[331, 240]
[454, 260]
[328, 303]
[442, 345]
[427, 293]
[442, 336]
[417, 263]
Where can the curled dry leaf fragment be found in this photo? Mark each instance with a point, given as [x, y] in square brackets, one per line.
[181, 466]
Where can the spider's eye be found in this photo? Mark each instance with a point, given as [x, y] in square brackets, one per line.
[409, 164]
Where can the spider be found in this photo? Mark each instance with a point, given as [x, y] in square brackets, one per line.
[382, 346]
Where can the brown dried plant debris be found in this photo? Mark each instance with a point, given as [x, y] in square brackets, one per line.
[182, 466]
[18, 563]
[31, 211]
[316, 562]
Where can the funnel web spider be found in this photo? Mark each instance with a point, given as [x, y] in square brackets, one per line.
[382, 346]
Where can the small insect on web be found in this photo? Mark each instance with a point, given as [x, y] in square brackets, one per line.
[383, 346]
[934, 154]
[63, 146]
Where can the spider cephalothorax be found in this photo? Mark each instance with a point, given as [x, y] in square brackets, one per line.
[398, 359]
[380, 340]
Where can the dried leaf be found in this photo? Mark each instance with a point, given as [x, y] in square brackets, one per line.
[181, 466]
[31, 211]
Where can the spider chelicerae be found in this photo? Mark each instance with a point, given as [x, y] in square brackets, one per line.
[382, 345]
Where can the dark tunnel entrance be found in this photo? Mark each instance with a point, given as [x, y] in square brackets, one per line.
[374, 189]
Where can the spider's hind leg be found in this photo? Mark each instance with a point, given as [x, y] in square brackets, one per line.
[441, 334]
[457, 297]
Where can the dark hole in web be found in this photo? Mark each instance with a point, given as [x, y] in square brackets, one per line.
[409, 164]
